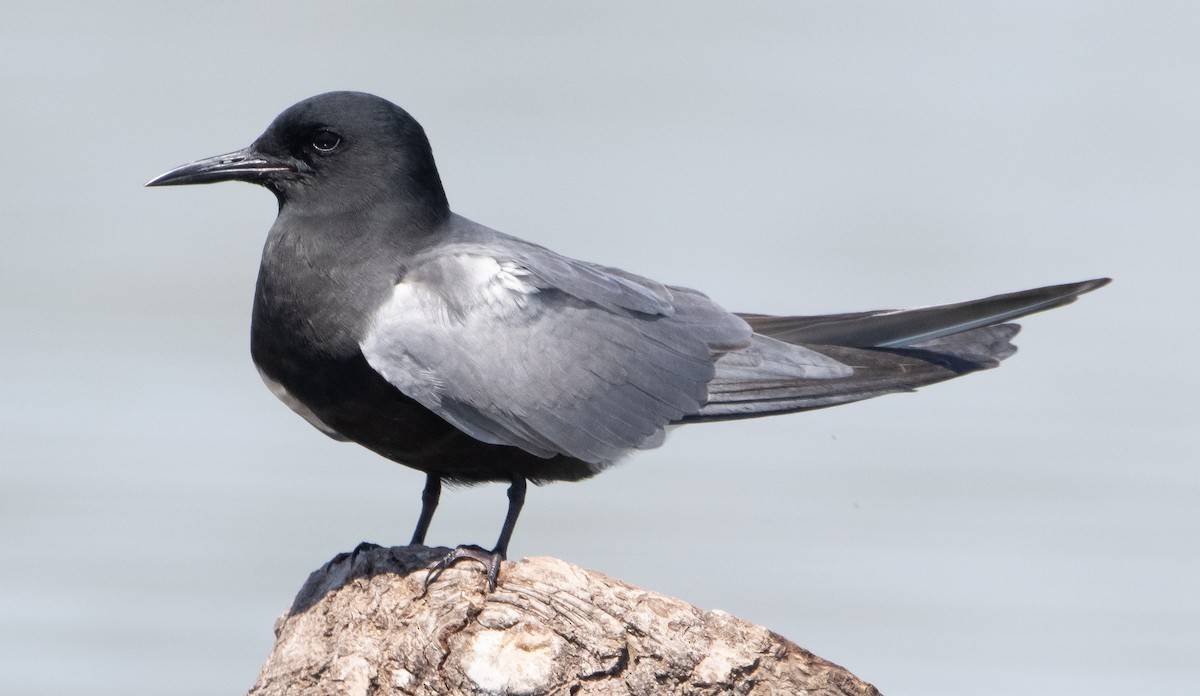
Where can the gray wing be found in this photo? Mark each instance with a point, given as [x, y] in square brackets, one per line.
[516, 345]
[609, 288]
[555, 358]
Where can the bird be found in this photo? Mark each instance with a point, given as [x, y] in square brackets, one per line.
[383, 318]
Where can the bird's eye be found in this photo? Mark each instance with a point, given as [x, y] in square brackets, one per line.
[326, 141]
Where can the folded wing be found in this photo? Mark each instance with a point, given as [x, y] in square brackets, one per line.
[588, 363]
[518, 346]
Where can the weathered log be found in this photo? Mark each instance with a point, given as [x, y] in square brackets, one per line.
[360, 626]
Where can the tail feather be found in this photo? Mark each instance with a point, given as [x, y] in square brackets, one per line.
[804, 363]
[900, 328]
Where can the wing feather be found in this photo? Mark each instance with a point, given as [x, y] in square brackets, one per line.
[525, 352]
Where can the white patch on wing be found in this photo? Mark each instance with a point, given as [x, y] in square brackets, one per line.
[501, 285]
[452, 289]
[304, 412]
[457, 286]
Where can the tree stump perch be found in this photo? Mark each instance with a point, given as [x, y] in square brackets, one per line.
[360, 627]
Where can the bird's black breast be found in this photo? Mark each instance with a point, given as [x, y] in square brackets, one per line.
[305, 331]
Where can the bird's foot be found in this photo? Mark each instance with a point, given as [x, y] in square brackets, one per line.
[490, 560]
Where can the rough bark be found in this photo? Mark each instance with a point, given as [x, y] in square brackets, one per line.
[360, 626]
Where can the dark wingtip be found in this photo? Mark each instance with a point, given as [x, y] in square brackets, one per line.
[1069, 292]
[156, 181]
[1093, 284]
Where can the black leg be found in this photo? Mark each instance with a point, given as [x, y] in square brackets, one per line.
[490, 559]
[516, 500]
[429, 503]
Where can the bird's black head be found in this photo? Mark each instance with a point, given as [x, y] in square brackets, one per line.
[333, 152]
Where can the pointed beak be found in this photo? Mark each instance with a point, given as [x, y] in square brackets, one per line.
[243, 165]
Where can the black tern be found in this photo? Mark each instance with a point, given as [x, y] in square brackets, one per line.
[385, 319]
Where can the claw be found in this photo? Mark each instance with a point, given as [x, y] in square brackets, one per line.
[470, 552]
[490, 559]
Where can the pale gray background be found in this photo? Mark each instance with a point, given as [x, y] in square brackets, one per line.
[1031, 529]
